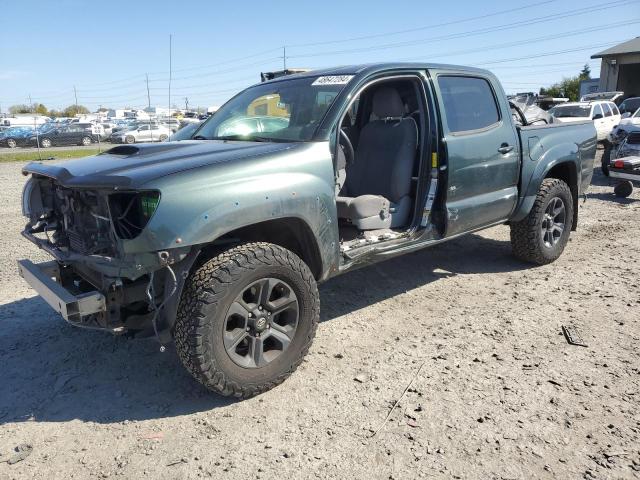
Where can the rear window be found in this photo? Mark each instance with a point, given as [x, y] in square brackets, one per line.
[572, 111]
[469, 103]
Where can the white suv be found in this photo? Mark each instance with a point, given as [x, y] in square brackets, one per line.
[605, 115]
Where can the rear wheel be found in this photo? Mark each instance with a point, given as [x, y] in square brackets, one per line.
[163, 137]
[542, 235]
[86, 141]
[246, 319]
[45, 143]
[129, 139]
[11, 143]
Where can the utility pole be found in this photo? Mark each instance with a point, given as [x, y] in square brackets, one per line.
[75, 95]
[148, 95]
[284, 57]
[170, 71]
[30, 103]
[186, 104]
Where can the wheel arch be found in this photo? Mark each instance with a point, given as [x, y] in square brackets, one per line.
[568, 173]
[291, 233]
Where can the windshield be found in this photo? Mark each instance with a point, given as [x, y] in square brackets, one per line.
[285, 111]
[570, 111]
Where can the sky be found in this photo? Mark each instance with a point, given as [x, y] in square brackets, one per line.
[106, 49]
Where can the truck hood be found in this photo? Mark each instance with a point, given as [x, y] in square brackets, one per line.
[131, 166]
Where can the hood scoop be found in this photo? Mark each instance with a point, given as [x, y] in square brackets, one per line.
[142, 149]
[124, 150]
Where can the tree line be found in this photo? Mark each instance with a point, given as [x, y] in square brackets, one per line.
[568, 87]
[41, 109]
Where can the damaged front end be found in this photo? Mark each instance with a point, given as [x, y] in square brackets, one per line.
[94, 282]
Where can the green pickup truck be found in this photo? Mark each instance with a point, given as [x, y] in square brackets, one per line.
[218, 242]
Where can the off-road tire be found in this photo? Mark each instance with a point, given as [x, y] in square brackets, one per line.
[211, 288]
[526, 240]
[606, 158]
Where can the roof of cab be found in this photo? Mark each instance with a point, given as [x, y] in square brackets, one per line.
[370, 68]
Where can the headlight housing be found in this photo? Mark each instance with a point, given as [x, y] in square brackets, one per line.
[131, 211]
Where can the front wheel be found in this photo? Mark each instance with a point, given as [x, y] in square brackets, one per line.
[542, 235]
[11, 143]
[86, 141]
[129, 139]
[246, 319]
[163, 137]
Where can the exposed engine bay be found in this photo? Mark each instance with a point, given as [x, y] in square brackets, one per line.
[84, 229]
[85, 222]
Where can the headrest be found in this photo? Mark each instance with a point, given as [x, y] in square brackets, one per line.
[387, 103]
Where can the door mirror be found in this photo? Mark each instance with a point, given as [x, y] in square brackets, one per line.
[626, 115]
[597, 116]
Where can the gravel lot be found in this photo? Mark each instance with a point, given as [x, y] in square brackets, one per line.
[497, 392]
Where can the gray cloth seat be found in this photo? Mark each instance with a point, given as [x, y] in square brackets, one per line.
[376, 193]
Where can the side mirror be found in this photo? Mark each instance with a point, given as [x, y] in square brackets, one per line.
[597, 116]
[626, 115]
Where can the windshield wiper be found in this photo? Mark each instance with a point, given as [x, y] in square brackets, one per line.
[241, 138]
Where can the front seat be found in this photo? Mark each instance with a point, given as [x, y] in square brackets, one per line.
[378, 184]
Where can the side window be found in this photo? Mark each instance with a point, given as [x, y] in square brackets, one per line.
[144, 127]
[469, 103]
[614, 109]
[607, 110]
[597, 110]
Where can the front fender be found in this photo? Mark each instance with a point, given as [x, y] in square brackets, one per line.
[200, 205]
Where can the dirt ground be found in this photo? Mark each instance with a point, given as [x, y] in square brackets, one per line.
[497, 392]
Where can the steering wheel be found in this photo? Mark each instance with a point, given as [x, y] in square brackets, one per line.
[349, 152]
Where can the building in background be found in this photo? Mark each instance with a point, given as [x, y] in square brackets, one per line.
[591, 85]
[620, 69]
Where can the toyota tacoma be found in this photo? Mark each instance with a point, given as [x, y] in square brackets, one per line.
[218, 242]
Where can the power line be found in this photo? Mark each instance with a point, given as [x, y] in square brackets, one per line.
[481, 31]
[438, 25]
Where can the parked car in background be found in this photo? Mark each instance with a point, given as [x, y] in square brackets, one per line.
[108, 129]
[143, 133]
[629, 106]
[172, 124]
[73, 134]
[628, 125]
[606, 96]
[15, 137]
[605, 115]
[185, 132]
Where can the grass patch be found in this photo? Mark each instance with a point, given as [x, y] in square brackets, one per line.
[18, 156]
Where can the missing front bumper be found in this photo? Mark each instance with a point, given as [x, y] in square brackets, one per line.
[44, 278]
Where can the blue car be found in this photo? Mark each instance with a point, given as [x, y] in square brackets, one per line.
[15, 137]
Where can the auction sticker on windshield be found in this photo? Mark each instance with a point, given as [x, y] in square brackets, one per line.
[333, 80]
